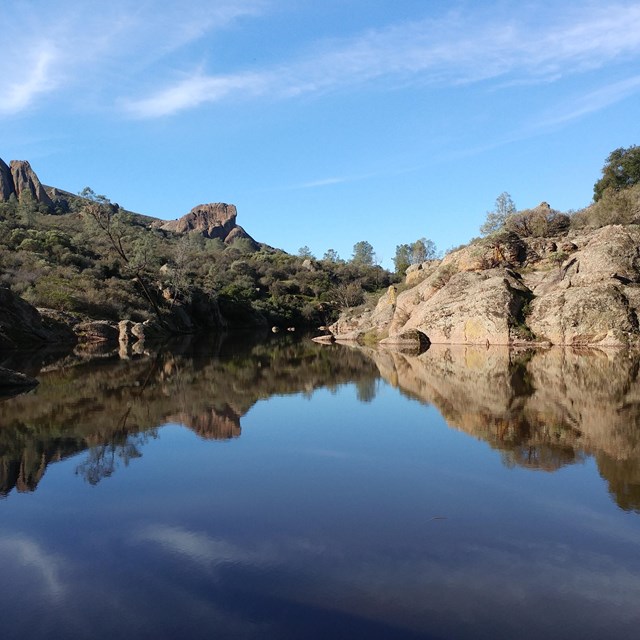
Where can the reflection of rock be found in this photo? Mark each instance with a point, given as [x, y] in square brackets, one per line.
[107, 404]
[541, 409]
[214, 424]
[10, 380]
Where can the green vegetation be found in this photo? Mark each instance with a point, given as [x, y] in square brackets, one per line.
[616, 201]
[622, 170]
[415, 253]
[96, 260]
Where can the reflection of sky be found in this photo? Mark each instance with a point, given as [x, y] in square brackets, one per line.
[326, 517]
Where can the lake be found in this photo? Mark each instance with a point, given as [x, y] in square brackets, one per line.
[277, 488]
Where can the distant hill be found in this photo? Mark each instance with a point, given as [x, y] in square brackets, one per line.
[91, 266]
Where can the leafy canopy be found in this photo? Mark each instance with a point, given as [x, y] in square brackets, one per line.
[622, 170]
[496, 219]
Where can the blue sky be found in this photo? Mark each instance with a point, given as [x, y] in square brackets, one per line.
[328, 122]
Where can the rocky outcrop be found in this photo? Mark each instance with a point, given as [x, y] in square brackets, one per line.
[11, 380]
[215, 220]
[22, 324]
[577, 289]
[6, 182]
[97, 331]
[26, 185]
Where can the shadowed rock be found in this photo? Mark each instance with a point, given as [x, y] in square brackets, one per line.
[22, 324]
[6, 182]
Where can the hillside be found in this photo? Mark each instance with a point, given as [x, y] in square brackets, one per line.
[76, 267]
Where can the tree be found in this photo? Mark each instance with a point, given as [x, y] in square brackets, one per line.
[305, 252]
[622, 170]
[419, 251]
[331, 255]
[402, 259]
[362, 253]
[504, 207]
[135, 252]
[347, 295]
[423, 250]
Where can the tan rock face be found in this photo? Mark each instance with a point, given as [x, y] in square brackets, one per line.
[215, 220]
[582, 289]
[594, 296]
[26, 183]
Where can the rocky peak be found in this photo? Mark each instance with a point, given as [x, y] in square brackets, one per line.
[214, 220]
[26, 183]
[6, 182]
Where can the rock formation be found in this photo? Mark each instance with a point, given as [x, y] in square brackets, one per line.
[215, 220]
[22, 324]
[581, 288]
[24, 183]
[6, 182]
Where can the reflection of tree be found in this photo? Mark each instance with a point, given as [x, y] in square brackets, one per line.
[110, 407]
[541, 456]
[366, 389]
[103, 459]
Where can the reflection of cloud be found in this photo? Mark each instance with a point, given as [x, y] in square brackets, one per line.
[30, 554]
[199, 547]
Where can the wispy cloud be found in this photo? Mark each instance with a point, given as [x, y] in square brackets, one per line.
[142, 56]
[100, 47]
[36, 78]
[192, 92]
[323, 182]
[591, 102]
[455, 49]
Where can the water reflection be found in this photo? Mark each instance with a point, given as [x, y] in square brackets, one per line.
[111, 405]
[541, 409]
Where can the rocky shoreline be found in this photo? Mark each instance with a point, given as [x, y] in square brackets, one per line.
[581, 288]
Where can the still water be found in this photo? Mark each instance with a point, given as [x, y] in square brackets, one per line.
[282, 489]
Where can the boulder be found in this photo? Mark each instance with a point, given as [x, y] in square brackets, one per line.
[26, 183]
[238, 233]
[148, 331]
[22, 324]
[213, 220]
[325, 339]
[10, 379]
[579, 289]
[469, 308]
[412, 340]
[97, 331]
